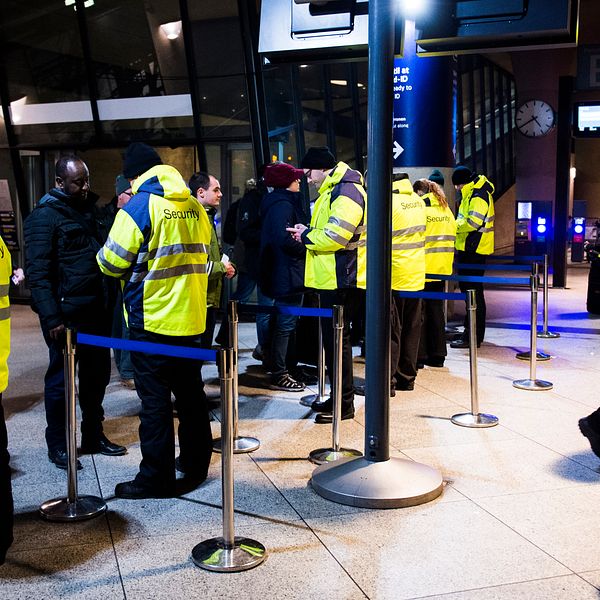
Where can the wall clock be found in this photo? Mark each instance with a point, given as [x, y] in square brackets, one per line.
[535, 118]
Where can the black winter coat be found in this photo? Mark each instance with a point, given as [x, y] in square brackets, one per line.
[281, 257]
[61, 243]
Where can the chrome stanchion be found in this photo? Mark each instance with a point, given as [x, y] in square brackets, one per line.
[241, 444]
[541, 356]
[228, 553]
[532, 383]
[321, 396]
[73, 507]
[545, 333]
[474, 418]
[325, 455]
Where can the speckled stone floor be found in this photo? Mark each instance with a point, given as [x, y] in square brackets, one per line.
[518, 517]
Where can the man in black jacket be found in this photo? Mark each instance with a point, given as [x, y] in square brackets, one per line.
[62, 238]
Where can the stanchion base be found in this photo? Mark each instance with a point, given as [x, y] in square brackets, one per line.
[84, 507]
[548, 334]
[327, 455]
[308, 400]
[241, 445]
[212, 555]
[541, 356]
[471, 420]
[394, 483]
[532, 384]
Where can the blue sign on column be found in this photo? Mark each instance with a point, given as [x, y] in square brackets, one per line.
[423, 108]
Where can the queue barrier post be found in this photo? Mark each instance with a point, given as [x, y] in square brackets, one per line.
[541, 356]
[241, 444]
[321, 396]
[73, 507]
[326, 455]
[532, 383]
[474, 418]
[228, 553]
[545, 333]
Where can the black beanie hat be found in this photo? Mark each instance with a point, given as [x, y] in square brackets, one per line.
[318, 157]
[138, 158]
[437, 177]
[461, 175]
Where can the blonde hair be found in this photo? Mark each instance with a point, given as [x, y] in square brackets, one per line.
[426, 186]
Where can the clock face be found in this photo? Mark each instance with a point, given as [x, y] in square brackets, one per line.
[535, 118]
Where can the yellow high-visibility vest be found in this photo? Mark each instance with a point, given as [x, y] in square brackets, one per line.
[335, 241]
[158, 246]
[440, 235]
[408, 238]
[5, 273]
[475, 219]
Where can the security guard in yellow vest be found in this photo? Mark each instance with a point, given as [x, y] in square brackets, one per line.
[474, 239]
[440, 235]
[335, 257]
[158, 246]
[6, 502]
[408, 275]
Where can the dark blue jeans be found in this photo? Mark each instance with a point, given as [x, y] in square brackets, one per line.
[282, 328]
[156, 377]
[94, 376]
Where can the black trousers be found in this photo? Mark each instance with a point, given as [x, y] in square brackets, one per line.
[350, 299]
[6, 499]
[404, 339]
[155, 378]
[94, 376]
[474, 259]
[433, 328]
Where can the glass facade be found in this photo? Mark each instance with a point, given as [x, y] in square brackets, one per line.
[90, 77]
[485, 121]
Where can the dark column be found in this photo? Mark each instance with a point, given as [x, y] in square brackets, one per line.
[563, 167]
[379, 144]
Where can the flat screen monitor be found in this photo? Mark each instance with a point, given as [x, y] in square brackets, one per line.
[586, 119]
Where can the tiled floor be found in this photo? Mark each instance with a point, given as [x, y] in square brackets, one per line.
[518, 517]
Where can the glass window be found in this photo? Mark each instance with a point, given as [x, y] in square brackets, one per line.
[45, 71]
[140, 67]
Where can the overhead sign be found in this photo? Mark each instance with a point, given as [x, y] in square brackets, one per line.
[423, 108]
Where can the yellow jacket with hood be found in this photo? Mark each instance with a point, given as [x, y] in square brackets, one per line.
[475, 219]
[158, 246]
[335, 240]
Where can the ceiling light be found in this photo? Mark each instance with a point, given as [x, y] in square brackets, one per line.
[338, 82]
[172, 30]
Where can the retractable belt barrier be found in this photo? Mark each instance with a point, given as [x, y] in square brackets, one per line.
[337, 313]
[528, 258]
[227, 553]
[533, 355]
[486, 267]
[474, 418]
[73, 508]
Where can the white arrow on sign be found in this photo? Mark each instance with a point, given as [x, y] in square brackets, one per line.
[397, 149]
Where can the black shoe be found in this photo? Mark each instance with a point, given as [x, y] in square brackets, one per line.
[322, 405]
[102, 446]
[462, 343]
[359, 390]
[132, 490]
[403, 386]
[60, 459]
[286, 383]
[434, 362]
[591, 434]
[327, 417]
[421, 365]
